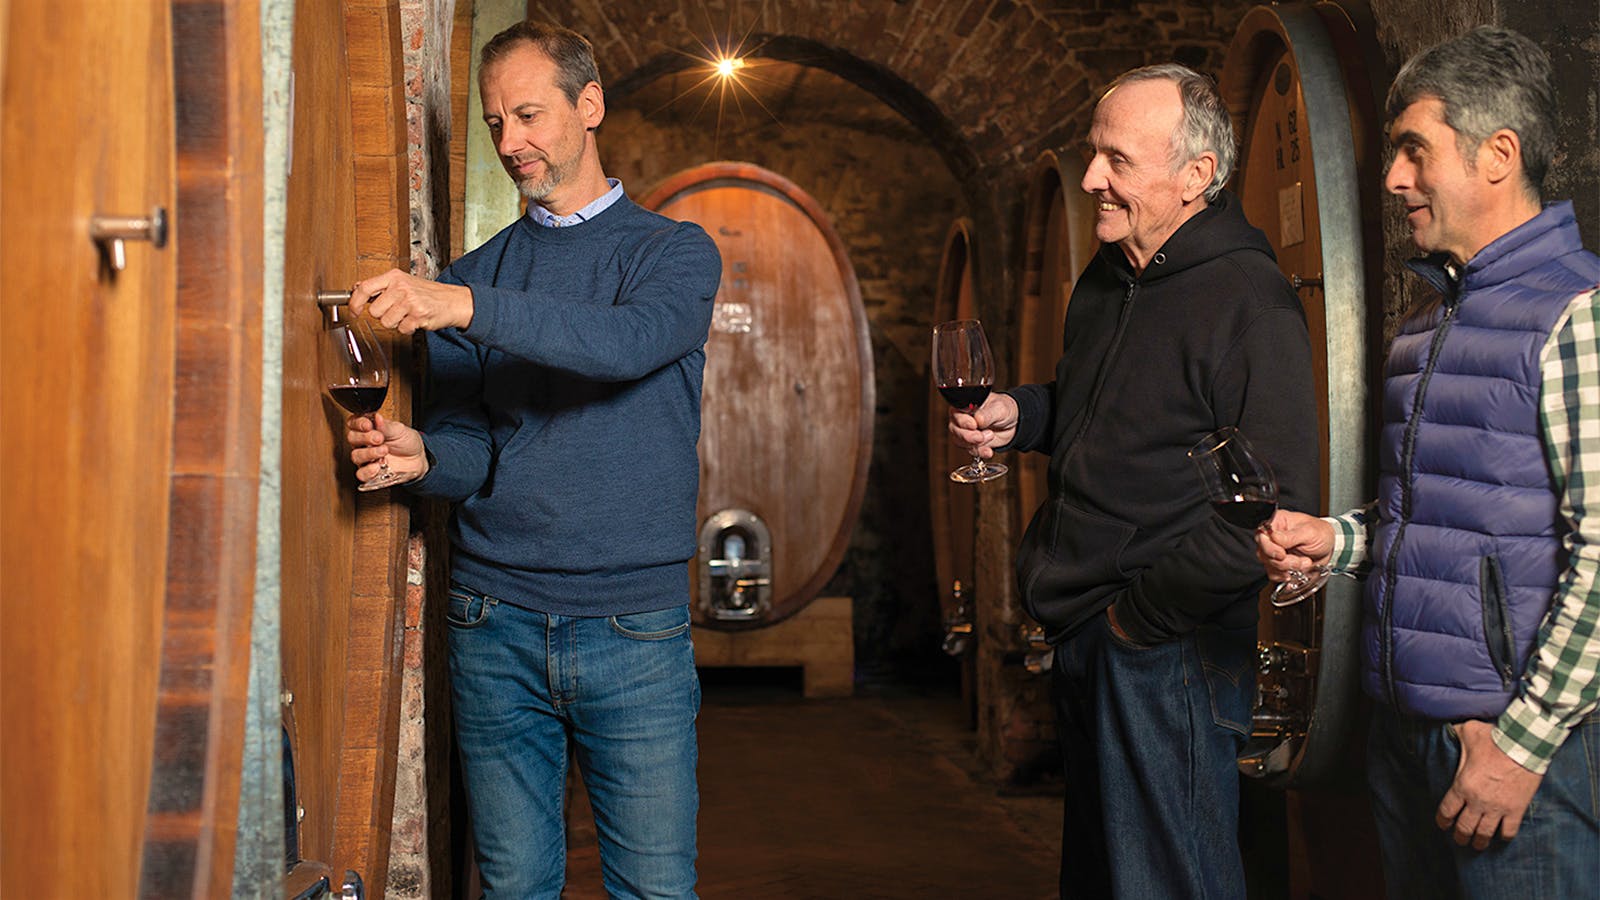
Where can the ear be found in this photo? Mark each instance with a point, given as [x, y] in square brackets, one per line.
[592, 105]
[1500, 156]
[1199, 172]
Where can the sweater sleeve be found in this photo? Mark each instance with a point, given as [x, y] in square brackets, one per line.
[1264, 386]
[455, 426]
[661, 314]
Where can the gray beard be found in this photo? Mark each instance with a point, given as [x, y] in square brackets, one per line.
[536, 192]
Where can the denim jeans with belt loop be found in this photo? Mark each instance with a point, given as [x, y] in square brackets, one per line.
[1411, 763]
[1150, 738]
[621, 693]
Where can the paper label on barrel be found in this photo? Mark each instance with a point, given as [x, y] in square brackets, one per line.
[1291, 216]
[731, 318]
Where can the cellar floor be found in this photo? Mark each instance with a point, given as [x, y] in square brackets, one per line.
[880, 795]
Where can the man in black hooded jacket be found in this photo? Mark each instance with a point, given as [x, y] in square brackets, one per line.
[1180, 325]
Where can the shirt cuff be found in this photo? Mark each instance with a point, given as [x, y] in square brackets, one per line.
[1528, 737]
[1349, 542]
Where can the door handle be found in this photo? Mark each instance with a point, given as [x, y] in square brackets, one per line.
[111, 233]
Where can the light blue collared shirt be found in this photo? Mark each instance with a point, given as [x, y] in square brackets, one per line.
[548, 219]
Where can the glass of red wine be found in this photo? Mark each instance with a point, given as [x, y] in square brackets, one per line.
[963, 370]
[356, 374]
[1244, 492]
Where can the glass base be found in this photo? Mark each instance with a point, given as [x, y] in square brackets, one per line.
[1299, 586]
[977, 471]
[383, 480]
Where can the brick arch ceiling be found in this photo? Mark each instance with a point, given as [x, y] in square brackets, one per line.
[989, 81]
[893, 91]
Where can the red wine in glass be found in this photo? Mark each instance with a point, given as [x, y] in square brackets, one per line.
[1244, 492]
[359, 400]
[1251, 514]
[966, 398]
[356, 374]
[963, 371]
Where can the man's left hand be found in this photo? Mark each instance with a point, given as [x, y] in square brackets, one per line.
[1490, 793]
[407, 303]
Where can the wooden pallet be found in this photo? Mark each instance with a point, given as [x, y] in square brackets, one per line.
[819, 638]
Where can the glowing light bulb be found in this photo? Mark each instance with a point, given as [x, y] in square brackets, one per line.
[727, 66]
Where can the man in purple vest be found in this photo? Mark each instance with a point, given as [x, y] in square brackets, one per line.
[1480, 638]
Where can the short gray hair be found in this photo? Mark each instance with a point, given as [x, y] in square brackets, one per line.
[1206, 126]
[570, 51]
[1488, 79]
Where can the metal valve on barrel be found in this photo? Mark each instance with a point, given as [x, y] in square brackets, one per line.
[735, 567]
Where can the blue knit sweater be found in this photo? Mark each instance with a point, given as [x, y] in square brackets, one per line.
[562, 422]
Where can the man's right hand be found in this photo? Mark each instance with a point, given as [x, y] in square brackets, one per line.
[378, 444]
[994, 424]
[1293, 542]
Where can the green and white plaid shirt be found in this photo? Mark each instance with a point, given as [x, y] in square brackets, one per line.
[1562, 681]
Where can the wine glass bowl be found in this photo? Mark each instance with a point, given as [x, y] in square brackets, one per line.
[1239, 484]
[963, 371]
[1243, 491]
[355, 373]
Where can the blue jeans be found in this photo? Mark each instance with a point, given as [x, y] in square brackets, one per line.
[622, 694]
[1411, 762]
[1149, 742]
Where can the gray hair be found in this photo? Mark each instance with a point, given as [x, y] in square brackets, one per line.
[1206, 126]
[1488, 79]
[570, 51]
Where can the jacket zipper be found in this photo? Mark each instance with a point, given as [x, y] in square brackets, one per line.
[1407, 452]
[1105, 365]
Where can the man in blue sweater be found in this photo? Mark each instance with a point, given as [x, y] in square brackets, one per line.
[565, 359]
[1481, 632]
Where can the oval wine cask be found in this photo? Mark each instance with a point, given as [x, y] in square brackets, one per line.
[1298, 81]
[343, 569]
[786, 429]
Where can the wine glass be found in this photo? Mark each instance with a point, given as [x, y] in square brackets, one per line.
[356, 374]
[963, 370]
[1243, 491]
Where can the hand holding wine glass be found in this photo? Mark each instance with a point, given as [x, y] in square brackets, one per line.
[356, 374]
[963, 371]
[1244, 492]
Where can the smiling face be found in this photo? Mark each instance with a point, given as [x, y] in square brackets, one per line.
[1143, 193]
[541, 136]
[1445, 195]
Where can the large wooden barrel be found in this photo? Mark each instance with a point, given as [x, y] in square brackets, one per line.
[1308, 177]
[86, 441]
[130, 434]
[953, 507]
[1058, 241]
[1297, 81]
[343, 572]
[786, 429]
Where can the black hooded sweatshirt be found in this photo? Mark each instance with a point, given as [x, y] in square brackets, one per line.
[1210, 334]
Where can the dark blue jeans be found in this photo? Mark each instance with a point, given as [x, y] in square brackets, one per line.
[1412, 761]
[1149, 740]
[621, 692]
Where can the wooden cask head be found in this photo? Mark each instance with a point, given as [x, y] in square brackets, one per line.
[786, 425]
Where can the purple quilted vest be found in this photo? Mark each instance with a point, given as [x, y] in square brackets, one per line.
[1468, 548]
